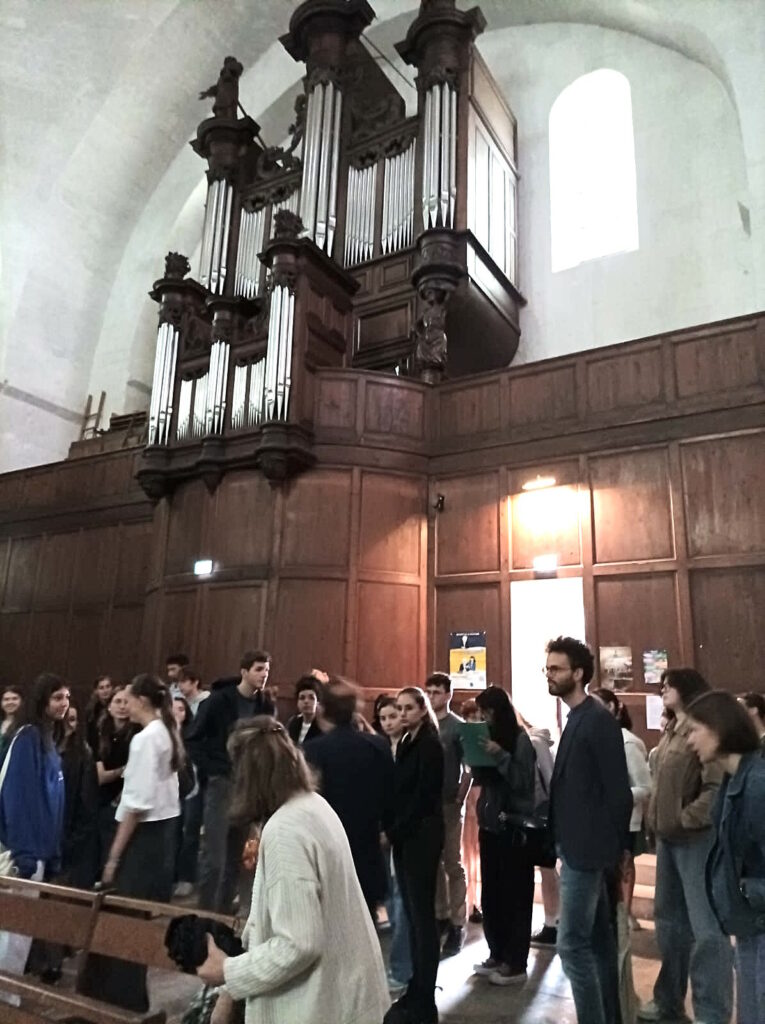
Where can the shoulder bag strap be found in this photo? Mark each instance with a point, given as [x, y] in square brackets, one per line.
[7, 761]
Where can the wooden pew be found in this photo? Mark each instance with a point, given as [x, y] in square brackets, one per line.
[132, 930]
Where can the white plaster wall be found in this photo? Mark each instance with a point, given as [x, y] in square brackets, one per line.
[695, 259]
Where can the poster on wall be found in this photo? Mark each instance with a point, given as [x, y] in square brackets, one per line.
[467, 660]
[616, 668]
[654, 663]
[653, 708]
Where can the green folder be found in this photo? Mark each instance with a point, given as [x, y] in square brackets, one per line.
[472, 735]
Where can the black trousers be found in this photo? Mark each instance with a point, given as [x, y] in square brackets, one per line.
[145, 873]
[416, 860]
[507, 896]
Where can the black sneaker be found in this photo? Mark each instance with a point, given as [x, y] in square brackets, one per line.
[476, 917]
[455, 940]
[546, 936]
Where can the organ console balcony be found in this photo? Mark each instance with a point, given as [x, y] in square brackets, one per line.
[372, 239]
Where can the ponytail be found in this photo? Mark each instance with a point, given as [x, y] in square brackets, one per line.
[158, 695]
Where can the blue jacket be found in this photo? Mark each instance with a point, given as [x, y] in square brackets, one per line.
[32, 803]
[735, 873]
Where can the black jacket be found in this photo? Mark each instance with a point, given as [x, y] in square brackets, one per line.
[590, 795]
[417, 784]
[507, 791]
[216, 717]
[294, 726]
[356, 779]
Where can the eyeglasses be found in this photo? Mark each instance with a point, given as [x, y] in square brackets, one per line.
[553, 670]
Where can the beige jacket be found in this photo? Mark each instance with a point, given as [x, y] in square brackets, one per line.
[684, 790]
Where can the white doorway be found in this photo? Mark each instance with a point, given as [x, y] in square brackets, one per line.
[541, 610]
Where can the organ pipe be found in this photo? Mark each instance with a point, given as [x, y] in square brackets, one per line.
[278, 370]
[321, 156]
[161, 407]
[184, 410]
[256, 395]
[360, 215]
[439, 155]
[200, 405]
[215, 234]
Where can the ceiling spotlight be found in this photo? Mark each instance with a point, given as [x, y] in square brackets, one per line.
[203, 567]
[538, 483]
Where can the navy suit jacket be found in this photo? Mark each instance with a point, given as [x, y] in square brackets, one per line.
[356, 779]
[590, 795]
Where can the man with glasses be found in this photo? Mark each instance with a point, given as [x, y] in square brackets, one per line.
[590, 808]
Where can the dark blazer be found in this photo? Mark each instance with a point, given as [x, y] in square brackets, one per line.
[590, 795]
[294, 726]
[417, 784]
[356, 779]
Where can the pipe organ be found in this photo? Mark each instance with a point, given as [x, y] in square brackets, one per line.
[371, 239]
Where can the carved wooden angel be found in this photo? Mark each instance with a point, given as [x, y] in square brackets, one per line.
[226, 90]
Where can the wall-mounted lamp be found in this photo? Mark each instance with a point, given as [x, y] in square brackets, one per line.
[440, 503]
[545, 563]
[538, 483]
[203, 567]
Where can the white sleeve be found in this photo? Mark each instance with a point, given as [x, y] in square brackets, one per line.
[295, 909]
[139, 791]
[640, 776]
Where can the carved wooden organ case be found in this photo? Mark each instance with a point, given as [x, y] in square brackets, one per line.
[372, 239]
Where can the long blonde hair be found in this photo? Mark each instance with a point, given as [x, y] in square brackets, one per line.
[267, 769]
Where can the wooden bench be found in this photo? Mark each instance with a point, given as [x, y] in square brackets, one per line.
[132, 930]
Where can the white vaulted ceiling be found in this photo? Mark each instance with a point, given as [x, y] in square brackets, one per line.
[98, 99]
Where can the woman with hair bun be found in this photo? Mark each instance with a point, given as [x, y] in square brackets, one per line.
[142, 856]
[311, 951]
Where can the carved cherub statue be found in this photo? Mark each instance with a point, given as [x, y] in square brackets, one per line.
[226, 90]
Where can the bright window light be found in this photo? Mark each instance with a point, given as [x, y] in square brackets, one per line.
[593, 190]
[545, 563]
[203, 567]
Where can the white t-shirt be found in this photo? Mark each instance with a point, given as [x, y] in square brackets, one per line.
[304, 730]
[150, 784]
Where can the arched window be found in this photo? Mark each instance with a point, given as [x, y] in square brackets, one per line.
[593, 200]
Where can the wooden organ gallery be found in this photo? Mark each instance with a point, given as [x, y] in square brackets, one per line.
[336, 425]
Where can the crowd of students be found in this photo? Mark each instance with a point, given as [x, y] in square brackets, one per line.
[160, 787]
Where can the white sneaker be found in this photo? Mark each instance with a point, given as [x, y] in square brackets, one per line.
[653, 1012]
[487, 968]
[504, 976]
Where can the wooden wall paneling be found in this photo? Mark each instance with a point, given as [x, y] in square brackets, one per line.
[21, 574]
[470, 410]
[48, 643]
[350, 659]
[727, 622]
[392, 511]
[96, 566]
[14, 643]
[546, 521]
[231, 620]
[624, 381]
[680, 532]
[466, 608]
[724, 486]
[56, 571]
[388, 635]
[309, 627]
[591, 632]
[186, 527]
[238, 530]
[121, 657]
[179, 630]
[5, 558]
[467, 530]
[546, 395]
[396, 409]
[317, 519]
[631, 488]
[505, 561]
[718, 363]
[39, 487]
[134, 561]
[335, 412]
[88, 655]
[12, 490]
[638, 612]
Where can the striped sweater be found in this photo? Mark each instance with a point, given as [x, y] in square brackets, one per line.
[312, 953]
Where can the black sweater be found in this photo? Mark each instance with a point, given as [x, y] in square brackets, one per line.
[207, 739]
[417, 783]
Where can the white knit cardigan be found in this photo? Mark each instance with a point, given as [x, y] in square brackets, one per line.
[312, 953]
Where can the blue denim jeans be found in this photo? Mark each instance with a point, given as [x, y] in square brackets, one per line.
[750, 979]
[689, 936]
[587, 945]
[399, 957]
